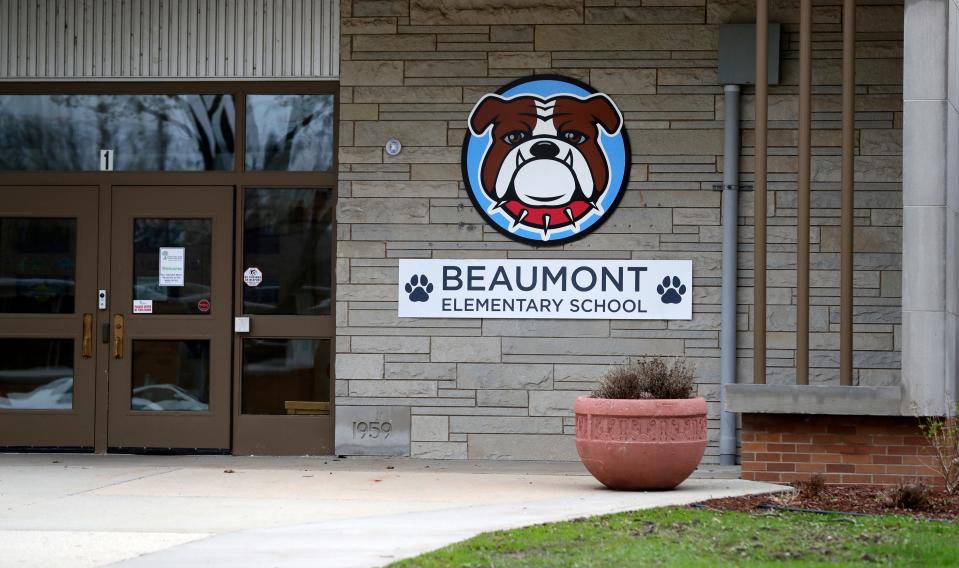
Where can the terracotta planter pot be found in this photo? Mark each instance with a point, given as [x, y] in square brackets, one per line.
[640, 444]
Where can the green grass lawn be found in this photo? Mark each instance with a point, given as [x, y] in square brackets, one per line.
[696, 537]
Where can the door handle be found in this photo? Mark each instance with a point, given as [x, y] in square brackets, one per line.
[87, 351]
[118, 336]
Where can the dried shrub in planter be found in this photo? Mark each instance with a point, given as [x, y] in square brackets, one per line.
[912, 496]
[647, 379]
[811, 488]
[943, 436]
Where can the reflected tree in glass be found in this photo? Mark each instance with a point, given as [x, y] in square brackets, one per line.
[146, 132]
[289, 132]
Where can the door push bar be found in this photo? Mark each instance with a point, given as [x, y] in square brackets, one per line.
[87, 350]
[118, 336]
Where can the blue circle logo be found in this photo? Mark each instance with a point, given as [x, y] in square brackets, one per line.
[546, 159]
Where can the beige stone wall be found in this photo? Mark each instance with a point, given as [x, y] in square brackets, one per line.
[412, 69]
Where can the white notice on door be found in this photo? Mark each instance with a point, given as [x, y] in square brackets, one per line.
[171, 266]
[143, 306]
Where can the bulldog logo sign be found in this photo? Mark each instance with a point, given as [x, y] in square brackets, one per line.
[546, 159]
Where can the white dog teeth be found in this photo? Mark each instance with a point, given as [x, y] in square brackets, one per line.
[569, 215]
[569, 158]
[516, 222]
[545, 227]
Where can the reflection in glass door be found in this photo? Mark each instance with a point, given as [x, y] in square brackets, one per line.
[170, 318]
[48, 256]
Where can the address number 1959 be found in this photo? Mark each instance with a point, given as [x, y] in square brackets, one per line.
[364, 429]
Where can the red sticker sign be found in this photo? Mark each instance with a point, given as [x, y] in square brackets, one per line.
[203, 305]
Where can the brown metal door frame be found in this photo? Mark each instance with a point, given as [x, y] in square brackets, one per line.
[171, 429]
[289, 434]
[57, 428]
[104, 265]
[282, 434]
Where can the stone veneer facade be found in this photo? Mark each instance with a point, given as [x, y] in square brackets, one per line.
[412, 69]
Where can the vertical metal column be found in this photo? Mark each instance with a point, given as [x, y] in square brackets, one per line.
[759, 215]
[803, 193]
[727, 336]
[847, 220]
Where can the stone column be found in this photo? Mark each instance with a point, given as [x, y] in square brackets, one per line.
[929, 254]
[952, 210]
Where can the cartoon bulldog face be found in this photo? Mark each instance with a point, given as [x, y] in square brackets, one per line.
[546, 166]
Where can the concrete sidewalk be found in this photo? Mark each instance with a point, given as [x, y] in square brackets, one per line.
[73, 510]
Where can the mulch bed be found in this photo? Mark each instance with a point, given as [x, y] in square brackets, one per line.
[872, 500]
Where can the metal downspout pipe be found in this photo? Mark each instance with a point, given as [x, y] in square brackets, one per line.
[759, 199]
[727, 340]
[848, 221]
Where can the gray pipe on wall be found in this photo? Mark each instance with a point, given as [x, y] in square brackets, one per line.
[727, 340]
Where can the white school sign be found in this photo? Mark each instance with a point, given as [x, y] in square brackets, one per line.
[546, 289]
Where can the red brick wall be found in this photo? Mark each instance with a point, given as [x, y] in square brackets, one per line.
[877, 450]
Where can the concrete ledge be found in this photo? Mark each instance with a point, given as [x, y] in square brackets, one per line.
[806, 399]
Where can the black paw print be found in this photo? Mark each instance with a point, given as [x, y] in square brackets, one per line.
[671, 292]
[419, 288]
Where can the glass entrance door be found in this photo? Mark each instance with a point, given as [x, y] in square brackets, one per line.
[48, 300]
[285, 253]
[170, 319]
